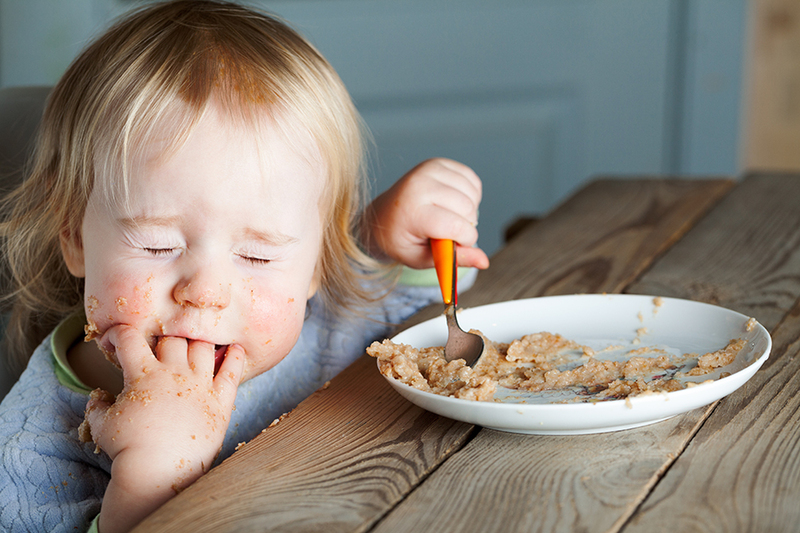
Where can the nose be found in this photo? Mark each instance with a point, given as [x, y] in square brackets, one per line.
[203, 289]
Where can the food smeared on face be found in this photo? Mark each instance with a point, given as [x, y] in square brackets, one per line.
[218, 242]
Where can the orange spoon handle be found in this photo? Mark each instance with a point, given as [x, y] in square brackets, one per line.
[444, 259]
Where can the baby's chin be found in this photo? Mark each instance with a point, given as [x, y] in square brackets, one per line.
[255, 367]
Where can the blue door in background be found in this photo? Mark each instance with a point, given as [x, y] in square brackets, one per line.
[539, 96]
[536, 95]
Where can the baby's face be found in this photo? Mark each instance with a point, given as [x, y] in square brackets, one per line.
[220, 244]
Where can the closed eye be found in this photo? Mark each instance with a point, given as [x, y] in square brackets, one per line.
[255, 260]
[160, 251]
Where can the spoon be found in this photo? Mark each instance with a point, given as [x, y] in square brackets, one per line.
[460, 344]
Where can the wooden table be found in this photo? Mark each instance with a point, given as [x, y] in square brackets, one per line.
[355, 456]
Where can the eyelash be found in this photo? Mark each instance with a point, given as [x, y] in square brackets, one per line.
[160, 251]
[255, 260]
[167, 251]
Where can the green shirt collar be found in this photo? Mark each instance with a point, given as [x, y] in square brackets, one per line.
[67, 333]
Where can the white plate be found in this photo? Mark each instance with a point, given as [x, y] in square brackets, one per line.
[597, 321]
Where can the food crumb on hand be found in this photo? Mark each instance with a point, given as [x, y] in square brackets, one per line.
[85, 431]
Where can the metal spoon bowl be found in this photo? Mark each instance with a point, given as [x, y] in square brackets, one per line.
[460, 344]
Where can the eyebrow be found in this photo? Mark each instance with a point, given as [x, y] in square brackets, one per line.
[269, 238]
[138, 221]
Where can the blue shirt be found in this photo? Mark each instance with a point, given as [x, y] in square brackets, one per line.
[51, 481]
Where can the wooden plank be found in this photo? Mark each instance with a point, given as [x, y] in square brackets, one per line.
[740, 473]
[501, 482]
[600, 240]
[745, 255]
[350, 453]
[596, 482]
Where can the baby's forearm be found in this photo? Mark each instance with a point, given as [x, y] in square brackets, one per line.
[137, 488]
[122, 511]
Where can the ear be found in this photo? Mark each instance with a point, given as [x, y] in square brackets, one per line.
[72, 252]
[314, 286]
[312, 289]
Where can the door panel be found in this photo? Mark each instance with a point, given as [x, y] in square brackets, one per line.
[515, 145]
[537, 95]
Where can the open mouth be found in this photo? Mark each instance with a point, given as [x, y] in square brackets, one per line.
[219, 356]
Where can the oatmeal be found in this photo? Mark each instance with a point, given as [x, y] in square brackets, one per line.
[548, 362]
[713, 360]
[426, 369]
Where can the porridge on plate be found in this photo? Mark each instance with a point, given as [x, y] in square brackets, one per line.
[544, 361]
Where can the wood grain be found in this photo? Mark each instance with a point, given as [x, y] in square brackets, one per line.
[348, 454]
[600, 240]
[745, 255]
[501, 482]
[742, 470]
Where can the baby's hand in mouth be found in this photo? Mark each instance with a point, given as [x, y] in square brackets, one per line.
[175, 406]
[110, 351]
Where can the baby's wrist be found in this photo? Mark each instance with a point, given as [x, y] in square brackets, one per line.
[124, 507]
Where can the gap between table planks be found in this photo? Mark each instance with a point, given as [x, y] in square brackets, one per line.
[350, 453]
[597, 482]
[741, 472]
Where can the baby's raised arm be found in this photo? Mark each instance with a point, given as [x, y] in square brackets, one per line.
[438, 198]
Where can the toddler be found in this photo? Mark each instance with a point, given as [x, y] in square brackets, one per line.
[194, 208]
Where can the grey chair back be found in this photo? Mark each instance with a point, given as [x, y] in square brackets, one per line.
[20, 113]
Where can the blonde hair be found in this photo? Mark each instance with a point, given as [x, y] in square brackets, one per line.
[124, 86]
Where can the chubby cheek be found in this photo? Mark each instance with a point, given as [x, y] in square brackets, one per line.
[120, 300]
[273, 326]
